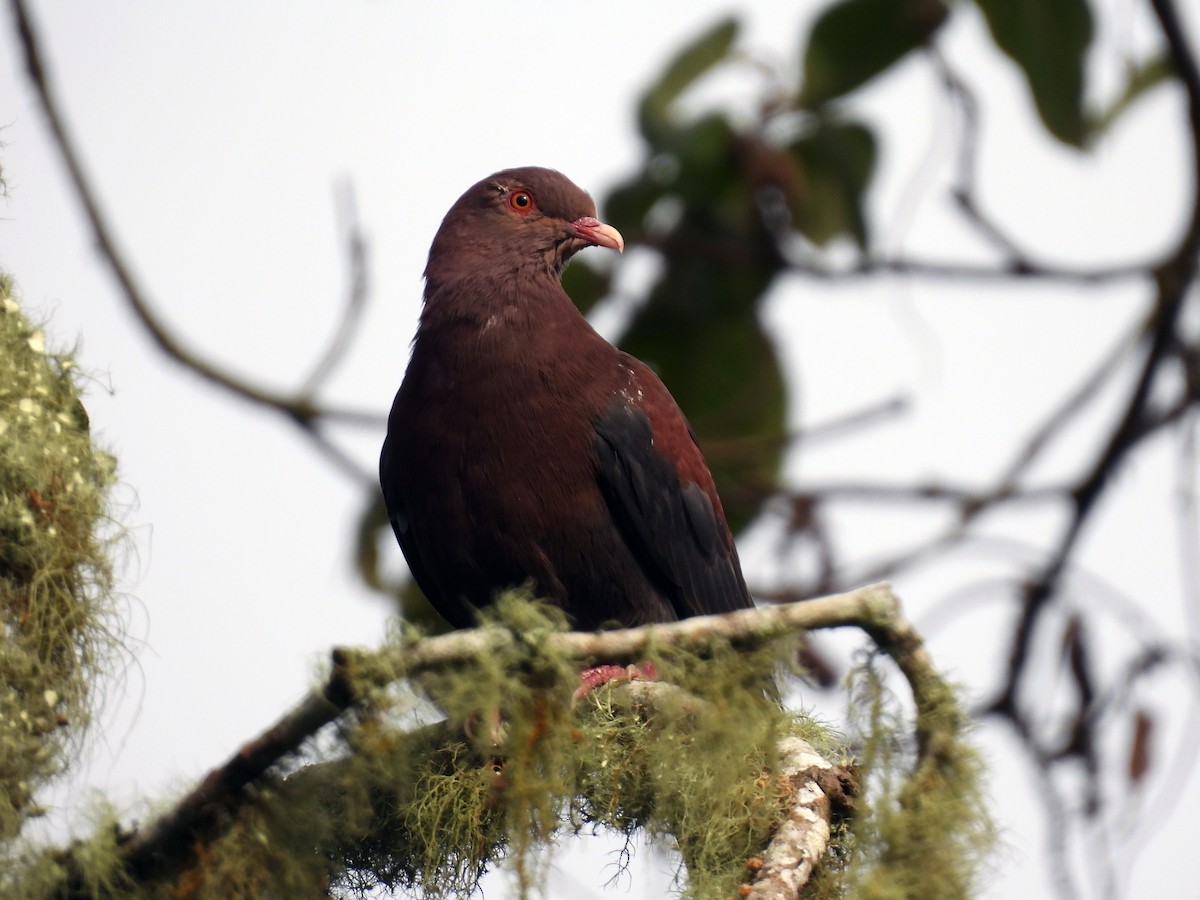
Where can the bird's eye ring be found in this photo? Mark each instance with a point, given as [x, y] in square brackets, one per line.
[521, 202]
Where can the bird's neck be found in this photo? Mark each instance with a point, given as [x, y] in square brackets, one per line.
[482, 303]
[485, 333]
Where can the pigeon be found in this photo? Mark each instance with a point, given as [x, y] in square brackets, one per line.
[523, 449]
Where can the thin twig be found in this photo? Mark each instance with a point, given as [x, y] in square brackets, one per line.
[356, 292]
[1172, 278]
[872, 266]
[297, 407]
[725, 448]
[1072, 405]
[967, 498]
[350, 467]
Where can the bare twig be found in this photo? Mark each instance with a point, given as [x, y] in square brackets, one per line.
[739, 447]
[874, 266]
[1071, 406]
[967, 498]
[349, 466]
[298, 407]
[1172, 278]
[356, 292]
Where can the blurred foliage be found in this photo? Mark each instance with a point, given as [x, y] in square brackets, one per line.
[706, 201]
[853, 41]
[1140, 78]
[1049, 40]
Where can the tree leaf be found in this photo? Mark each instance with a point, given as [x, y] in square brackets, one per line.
[585, 284]
[853, 41]
[708, 163]
[1049, 40]
[626, 206]
[695, 59]
[836, 163]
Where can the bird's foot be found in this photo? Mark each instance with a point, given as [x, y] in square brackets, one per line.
[590, 679]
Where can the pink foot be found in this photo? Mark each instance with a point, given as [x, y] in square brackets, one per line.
[590, 679]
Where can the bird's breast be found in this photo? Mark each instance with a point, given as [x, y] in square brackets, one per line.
[491, 412]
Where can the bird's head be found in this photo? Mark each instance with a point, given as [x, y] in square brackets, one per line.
[526, 220]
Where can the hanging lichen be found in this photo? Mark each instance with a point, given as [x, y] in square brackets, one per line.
[56, 618]
[922, 827]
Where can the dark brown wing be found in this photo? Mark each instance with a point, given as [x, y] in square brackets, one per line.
[660, 494]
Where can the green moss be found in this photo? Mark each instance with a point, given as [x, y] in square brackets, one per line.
[57, 628]
[923, 827]
[94, 869]
[516, 763]
[694, 771]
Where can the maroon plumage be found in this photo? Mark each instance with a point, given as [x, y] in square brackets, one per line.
[523, 446]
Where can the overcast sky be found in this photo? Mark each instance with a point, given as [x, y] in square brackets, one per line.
[216, 132]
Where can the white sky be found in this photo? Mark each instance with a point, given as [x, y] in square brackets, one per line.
[215, 133]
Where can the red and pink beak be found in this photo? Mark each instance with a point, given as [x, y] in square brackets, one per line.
[596, 232]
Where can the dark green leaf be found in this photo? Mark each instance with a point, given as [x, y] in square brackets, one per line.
[854, 40]
[836, 163]
[701, 164]
[709, 167]
[688, 65]
[626, 206]
[1049, 40]
[585, 284]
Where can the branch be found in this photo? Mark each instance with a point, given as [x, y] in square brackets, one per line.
[1173, 278]
[974, 502]
[817, 791]
[300, 407]
[802, 839]
[735, 448]
[356, 293]
[209, 809]
[1023, 267]
[206, 811]
[1072, 406]
[968, 499]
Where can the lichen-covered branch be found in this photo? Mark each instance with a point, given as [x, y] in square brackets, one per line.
[358, 675]
[802, 838]
[816, 789]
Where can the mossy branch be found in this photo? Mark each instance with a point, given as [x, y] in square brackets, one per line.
[815, 792]
[819, 789]
[60, 629]
[358, 674]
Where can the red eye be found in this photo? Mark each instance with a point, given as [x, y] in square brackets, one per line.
[521, 202]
